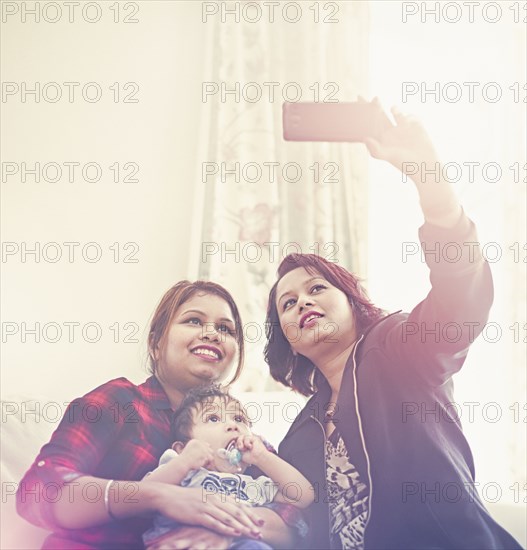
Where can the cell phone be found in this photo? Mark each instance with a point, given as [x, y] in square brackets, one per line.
[352, 122]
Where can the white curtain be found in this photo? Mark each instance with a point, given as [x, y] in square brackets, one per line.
[244, 228]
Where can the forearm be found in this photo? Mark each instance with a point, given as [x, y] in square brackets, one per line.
[82, 502]
[301, 492]
[173, 472]
[438, 200]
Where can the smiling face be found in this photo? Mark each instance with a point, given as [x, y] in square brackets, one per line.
[200, 344]
[219, 423]
[315, 316]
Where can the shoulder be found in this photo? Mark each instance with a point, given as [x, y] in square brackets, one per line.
[377, 334]
[384, 325]
[118, 389]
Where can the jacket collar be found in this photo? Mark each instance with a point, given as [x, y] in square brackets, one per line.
[315, 405]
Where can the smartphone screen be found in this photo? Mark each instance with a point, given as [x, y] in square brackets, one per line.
[346, 122]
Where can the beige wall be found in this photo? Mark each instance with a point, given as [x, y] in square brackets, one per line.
[162, 54]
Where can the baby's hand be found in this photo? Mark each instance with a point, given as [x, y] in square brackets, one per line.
[252, 449]
[197, 453]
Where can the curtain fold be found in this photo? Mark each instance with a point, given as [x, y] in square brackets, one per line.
[286, 197]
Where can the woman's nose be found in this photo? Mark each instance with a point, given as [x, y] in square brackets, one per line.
[210, 333]
[232, 426]
[305, 303]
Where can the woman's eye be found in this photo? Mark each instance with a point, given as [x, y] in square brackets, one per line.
[213, 418]
[288, 303]
[239, 418]
[226, 328]
[317, 288]
[193, 321]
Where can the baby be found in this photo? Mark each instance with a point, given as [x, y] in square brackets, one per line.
[212, 449]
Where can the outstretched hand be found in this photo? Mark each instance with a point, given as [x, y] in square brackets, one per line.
[401, 143]
[407, 146]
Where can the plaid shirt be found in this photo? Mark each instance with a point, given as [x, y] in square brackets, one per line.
[117, 431]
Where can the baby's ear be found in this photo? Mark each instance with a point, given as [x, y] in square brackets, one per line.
[178, 446]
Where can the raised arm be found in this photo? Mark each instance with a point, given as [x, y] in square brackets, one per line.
[435, 337]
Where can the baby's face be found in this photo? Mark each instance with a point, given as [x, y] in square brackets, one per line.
[219, 423]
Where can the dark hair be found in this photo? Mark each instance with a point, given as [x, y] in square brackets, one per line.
[173, 299]
[183, 419]
[296, 371]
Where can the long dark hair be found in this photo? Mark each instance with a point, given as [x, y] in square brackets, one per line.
[296, 371]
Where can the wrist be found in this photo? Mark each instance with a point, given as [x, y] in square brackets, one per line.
[187, 463]
[147, 495]
[155, 494]
[425, 171]
[263, 459]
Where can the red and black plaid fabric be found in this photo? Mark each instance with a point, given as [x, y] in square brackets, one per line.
[117, 431]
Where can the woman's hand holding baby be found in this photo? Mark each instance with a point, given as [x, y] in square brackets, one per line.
[193, 506]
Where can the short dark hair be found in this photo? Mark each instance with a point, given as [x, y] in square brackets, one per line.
[298, 372]
[183, 419]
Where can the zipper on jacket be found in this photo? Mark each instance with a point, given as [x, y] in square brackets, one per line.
[361, 431]
[325, 472]
[363, 441]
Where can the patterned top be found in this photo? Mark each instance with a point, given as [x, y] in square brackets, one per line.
[347, 496]
[254, 491]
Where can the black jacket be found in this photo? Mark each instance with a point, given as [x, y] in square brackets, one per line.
[394, 415]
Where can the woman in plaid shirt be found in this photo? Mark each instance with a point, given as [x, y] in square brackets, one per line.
[85, 483]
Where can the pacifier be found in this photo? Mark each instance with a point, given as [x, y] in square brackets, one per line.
[231, 454]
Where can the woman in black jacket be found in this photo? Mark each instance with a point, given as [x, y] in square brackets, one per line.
[379, 438]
